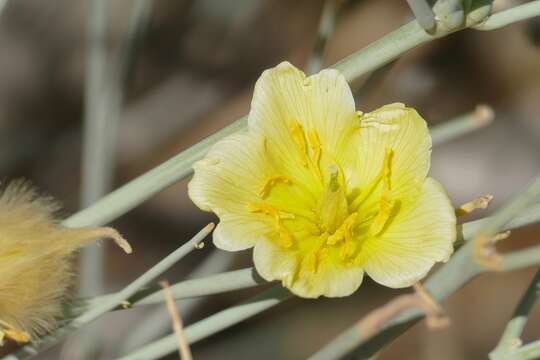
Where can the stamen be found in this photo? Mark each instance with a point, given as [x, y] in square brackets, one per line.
[285, 236]
[298, 137]
[315, 145]
[386, 204]
[270, 182]
[344, 232]
[347, 250]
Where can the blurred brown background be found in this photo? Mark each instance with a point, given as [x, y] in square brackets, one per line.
[193, 74]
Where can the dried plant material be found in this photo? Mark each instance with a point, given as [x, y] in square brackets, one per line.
[35, 260]
[481, 202]
[483, 115]
[421, 299]
[183, 346]
[485, 253]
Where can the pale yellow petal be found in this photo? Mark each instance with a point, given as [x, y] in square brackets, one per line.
[399, 129]
[274, 262]
[319, 109]
[421, 234]
[226, 181]
[331, 278]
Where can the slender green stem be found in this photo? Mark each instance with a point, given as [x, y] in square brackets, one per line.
[97, 154]
[510, 16]
[520, 259]
[118, 298]
[510, 210]
[510, 340]
[326, 28]
[423, 13]
[213, 324]
[482, 116]
[214, 284]
[527, 352]
[145, 186]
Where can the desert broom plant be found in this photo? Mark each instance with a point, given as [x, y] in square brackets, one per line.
[468, 259]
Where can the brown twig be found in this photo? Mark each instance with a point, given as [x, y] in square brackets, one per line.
[421, 299]
[183, 346]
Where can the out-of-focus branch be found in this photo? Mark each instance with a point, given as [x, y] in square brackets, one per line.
[326, 28]
[511, 338]
[480, 117]
[423, 13]
[510, 16]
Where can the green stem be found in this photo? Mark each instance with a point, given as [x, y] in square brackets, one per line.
[510, 16]
[326, 28]
[510, 339]
[210, 285]
[213, 324]
[528, 352]
[423, 13]
[97, 153]
[482, 116]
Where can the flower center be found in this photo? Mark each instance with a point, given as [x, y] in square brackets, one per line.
[334, 225]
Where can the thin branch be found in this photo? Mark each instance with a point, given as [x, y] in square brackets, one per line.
[423, 13]
[209, 285]
[527, 352]
[484, 249]
[482, 116]
[183, 346]
[510, 16]
[98, 150]
[326, 28]
[511, 337]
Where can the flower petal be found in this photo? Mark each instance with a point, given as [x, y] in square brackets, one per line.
[225, 182]
[332, 279]
[422, 233]
[402, 130]
[322, 105]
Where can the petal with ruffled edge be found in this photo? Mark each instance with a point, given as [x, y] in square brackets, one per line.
[421, 234]
[225, 182]
[322, 103]
[332, 278]
[402, 130]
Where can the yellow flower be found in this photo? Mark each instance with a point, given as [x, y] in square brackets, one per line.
[324, 193]
[35, 261]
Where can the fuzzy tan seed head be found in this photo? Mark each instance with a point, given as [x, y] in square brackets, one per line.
[35, 260]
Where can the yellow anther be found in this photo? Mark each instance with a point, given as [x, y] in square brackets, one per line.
[313, 262]
[347, 250]
[344, 232]
[298, 137]
[285, 236]
[386, 204]
[270, 182]
[315, 145]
